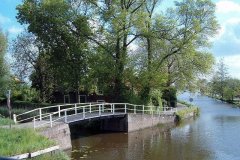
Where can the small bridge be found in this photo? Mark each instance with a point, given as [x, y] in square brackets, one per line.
[70, 113]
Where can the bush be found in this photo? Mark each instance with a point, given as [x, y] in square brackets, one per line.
[170, 96]
[182, 113]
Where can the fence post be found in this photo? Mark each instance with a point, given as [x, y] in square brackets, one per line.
[51, 120]
[90, 108]
[134, 109]
[102, 107]
[15, 118]
[34, 125]
[75, 107]
[99, 110]
[125, 108]
[40, 114]
[113, 108]
[59, 111]
[143, 109]
[65, 115]
[83, 112]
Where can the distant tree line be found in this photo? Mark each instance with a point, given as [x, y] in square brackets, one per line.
[130, 49]
[221, 85]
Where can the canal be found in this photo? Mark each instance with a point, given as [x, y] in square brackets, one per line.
[215, 135]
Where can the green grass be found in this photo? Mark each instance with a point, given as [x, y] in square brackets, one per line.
[185, 103]
[192, 109]
[5, 121]
[19, 141]
[55, 156]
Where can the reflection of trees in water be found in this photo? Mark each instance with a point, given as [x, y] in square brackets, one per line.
[162, 143]
[149, 144]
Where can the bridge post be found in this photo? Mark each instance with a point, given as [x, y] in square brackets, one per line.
[83, 112]
[113, 108]
[125, 108]
[134, 109]
[51, 120]
[34, 125]
[40, 114]
[65, 115]
[99, 110]
[59, 111]
[15, 118]
[75, 107]
[102, 107]
[90, 108]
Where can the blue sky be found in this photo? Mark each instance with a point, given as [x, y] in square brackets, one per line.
[226, 44]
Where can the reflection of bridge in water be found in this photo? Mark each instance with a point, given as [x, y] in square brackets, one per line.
[73, 113]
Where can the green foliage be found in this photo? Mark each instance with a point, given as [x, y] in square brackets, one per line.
[185, 103]
[72, 51]
[155, 98]
[19, 141]
[170, 96]
[222, 86]
[4, 71]
[185, 112]
[61, 42]
[5, 121]
[4, 111]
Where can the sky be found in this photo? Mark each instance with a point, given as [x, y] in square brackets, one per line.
[226, 44]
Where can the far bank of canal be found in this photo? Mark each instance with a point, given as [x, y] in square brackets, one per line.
[214, 135]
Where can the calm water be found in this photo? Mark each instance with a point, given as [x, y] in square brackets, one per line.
[215, 135]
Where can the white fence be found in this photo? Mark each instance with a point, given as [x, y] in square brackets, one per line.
[49, 115]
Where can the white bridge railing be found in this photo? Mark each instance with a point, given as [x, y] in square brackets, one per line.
[49, 115]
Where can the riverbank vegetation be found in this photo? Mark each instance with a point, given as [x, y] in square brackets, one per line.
[191, 111]
[221, 86]
[18, 141]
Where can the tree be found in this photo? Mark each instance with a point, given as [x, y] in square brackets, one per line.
[222, 76]
[25, 51]
[232, 89]
[4, 72]
[80, 40]
[59, 30]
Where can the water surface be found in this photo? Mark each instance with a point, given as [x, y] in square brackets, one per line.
[215, 135]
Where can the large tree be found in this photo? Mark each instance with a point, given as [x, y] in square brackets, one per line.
[60, 29]
[4, 73]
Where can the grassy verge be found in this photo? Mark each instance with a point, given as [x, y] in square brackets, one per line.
[185, 103]
[184, 112]
[19, 141]
[5, 121]
[56, 156]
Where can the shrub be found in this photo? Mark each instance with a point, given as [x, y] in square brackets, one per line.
[170, 96]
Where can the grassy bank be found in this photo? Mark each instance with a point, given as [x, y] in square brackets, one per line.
[56, 156]
[18, 141]
[182, 114]
[5, 121]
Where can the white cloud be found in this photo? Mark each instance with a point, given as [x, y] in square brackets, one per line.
[227, 6]
[15, 30]
[4, 19]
